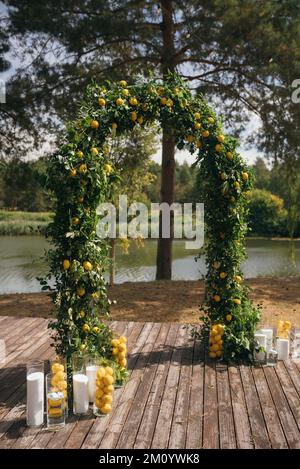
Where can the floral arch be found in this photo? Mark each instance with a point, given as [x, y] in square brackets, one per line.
[81, 176]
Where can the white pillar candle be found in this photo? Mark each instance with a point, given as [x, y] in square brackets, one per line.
[80, 394]
[35, 399]
[268, 332]
[283, 349]
[261, 339]
[91, 372]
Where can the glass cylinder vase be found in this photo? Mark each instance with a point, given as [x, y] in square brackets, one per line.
[80, 386]
[56, 384]
[35, 393]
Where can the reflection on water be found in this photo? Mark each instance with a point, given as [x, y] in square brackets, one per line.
[20, 262]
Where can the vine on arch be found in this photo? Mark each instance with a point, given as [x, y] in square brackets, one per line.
[82, 175]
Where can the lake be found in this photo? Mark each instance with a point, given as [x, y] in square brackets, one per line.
[21, 263]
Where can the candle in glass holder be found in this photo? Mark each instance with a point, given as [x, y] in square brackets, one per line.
[80, 393]
[283, 348]
[35, 394]
[91, 372]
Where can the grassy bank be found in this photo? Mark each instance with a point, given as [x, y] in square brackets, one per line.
[23, 223]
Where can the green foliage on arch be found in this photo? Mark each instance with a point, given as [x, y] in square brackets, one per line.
[81, 176]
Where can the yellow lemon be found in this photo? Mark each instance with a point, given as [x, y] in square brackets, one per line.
[217, 298]
[99, 393]
[79, 154]
[108, 380]
[66, 264]
[133, 101]
[140, 120]
[245, 176]
[198, 144]
[122, 347]
[125, 92]
[101, 372]
[109, 371]
[86, 328]
[197, 115]
[107, 168]
[122, 339]
[214, 348]
[54, 402]
[221, 138]
[211, 120]
[62, 385]
[54, 412]
[107, 399]
[115, 342]
[218, 148]
[56, 367]
[73, 173]
[82, 314]
[228, 317]
[119, 102]
[237, 301]
[87, 265]
[115, 351]
[197, 126]
[217, 338]
[80, 199]
[169, 103]
[223, 176]
[212, 354]
[223, 275]
[108, 389]
[106, 409]
[238, 278]
[134, 116]
[98, 402]
[123, 362]
[82, 347]
[163, 101]
[237, 185]
[94, 151]
[229, 155]
[205, 133]
[122, 355]
[190, 138]
[219, 353]
[80, 291]
[83, 168]
[96, 330]
[123, 83]
[101, 102]
[75, 221]
[94, 124]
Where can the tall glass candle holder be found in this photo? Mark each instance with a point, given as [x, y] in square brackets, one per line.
[80, 386]
[35, 394]
[92, 364]
[58, 366]
[55, 392]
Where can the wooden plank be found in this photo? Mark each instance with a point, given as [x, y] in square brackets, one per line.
[240, 415]
[276, 434]
[195, 418]
[283, 410]
[289, 390]
[146, 430]
[134, 417]
[211, 438]
[257, 423]
[294, 373]
[226, 422]
[164, 420]
[178, 432]
[119, 416]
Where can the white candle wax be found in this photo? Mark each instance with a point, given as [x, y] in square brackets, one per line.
[35, 399]
[269, 334]
[283, 349]
[91, 372]
[261, 340]
[80, 393]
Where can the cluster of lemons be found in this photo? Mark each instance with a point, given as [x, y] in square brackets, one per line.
[215, 341]
[119, 350]
[58, 391]
[283, 329]
[104, 389]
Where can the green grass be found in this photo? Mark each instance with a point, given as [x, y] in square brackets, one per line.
[23, 223]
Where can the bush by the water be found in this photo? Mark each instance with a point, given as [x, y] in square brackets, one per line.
[23, 223]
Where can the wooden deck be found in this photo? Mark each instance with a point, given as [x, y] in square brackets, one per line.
[172, 400]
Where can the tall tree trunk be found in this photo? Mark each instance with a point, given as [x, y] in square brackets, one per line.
[164, 246]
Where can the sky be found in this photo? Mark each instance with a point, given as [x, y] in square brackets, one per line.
[250, 154]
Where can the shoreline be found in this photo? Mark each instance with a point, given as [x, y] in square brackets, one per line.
[170, 301]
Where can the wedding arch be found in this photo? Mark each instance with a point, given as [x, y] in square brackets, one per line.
[82, 175]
